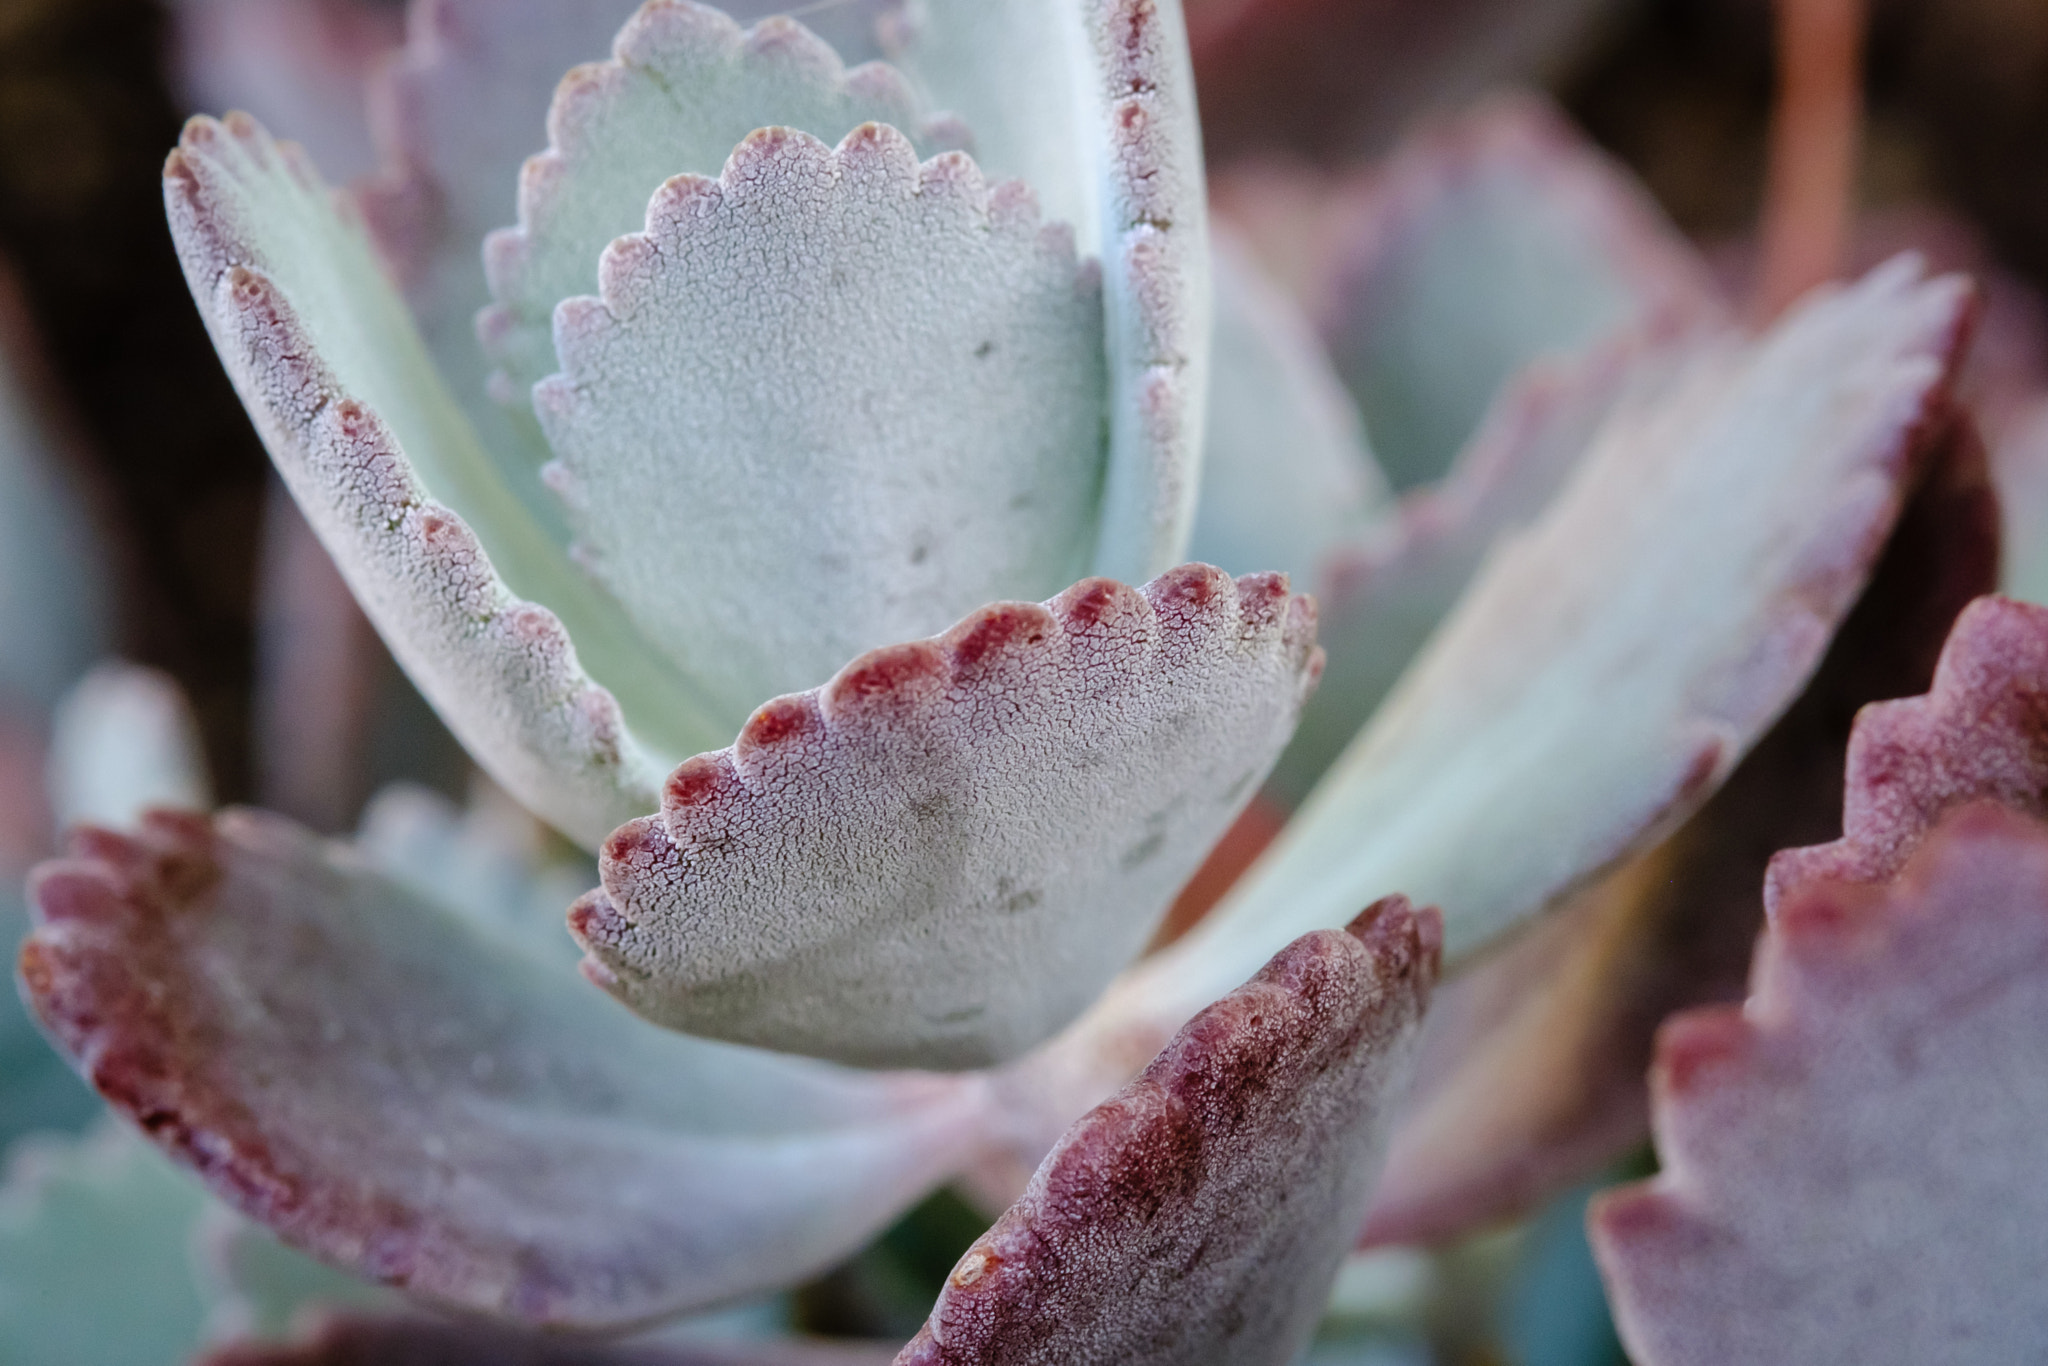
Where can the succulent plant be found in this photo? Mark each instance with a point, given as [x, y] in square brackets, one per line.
[843, 483]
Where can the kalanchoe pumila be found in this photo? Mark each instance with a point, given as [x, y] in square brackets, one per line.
[787, 504]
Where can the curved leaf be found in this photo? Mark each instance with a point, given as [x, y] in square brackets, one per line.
[1201, 1213]
[389, 1088]
[941, 856]
[830, 400]
[456, 112]
[1851, 1159]
[370, 444]
[1387, 590]
[1731, 523]
[1492, 291]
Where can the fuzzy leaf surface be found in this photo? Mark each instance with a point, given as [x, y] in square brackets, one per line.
[456, 112]
[1199, 1215]
[830, 400]
[1851, 1159]
[684, 86]
[941, 856]
[1491, 293]
[390, 1087]
[1980, 734]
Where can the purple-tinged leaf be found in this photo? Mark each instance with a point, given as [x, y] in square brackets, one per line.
[426, 1342]
[684, 86]
[941, 856]
[1733, 516]
[395, 483]
[1201, 1213]
[1530, 1077]
[1980, 734]
[829, 401]
[393, 1090]
[457, 113]
[1851, 1160]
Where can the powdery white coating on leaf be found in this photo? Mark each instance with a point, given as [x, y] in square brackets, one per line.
[1980, 734]
[1731, 520]
[1610, 665]
[1483, 244]
[1008, 71]
[1495, 288]
[684, 85]
[1286, 473]
[375, 454]
[940, 857]
[396, 1093]
[1199, 1215]
[831, 400]
[1852, 1160]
